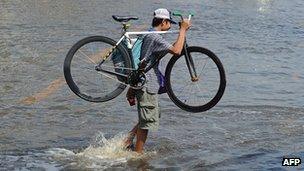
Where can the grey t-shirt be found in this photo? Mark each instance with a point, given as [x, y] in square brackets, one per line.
[154, 46]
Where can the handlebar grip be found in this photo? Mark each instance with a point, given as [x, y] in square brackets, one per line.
[177, 13]
[191, 13]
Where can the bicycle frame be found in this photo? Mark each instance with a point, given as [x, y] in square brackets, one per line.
[130, 42]
[126, 36]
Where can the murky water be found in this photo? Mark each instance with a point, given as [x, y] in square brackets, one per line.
[44, 126]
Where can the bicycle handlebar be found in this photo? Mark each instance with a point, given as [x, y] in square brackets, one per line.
[177, 13]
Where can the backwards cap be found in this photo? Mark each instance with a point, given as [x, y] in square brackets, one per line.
[163, 14]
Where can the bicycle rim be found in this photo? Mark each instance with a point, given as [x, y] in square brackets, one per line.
[201, 95]
[84, 80]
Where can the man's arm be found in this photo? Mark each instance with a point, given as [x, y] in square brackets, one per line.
[178, 45]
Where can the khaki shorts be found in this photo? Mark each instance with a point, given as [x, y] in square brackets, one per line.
[148, 110]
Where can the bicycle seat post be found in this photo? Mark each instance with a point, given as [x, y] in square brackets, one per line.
[125, 26]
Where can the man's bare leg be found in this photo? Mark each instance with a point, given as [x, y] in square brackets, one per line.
[141, 137]
[131, 136]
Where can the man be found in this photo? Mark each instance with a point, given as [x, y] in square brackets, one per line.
[154, 46]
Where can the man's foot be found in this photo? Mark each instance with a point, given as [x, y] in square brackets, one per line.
[129, 141]
[130, 147]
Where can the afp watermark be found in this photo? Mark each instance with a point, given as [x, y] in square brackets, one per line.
[294, 161]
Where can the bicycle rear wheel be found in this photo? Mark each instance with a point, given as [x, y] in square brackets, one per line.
[82, 77]
[199, 95]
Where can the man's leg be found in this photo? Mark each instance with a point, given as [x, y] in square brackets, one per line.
[141, 137]
[148, 117]
[131, 136]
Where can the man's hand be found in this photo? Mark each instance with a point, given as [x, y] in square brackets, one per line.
[185, 24]
[178, 45]
[130, 93]
[131, 96]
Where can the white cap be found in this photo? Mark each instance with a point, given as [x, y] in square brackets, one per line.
[164, 14]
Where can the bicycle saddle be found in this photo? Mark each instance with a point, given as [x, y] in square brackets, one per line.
[124, 18]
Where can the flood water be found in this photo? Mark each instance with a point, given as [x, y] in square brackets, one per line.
[259, 120]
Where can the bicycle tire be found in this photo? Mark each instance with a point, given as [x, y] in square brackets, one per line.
[118, 89]
[219, 92]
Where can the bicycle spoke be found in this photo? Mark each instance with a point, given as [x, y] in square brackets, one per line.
[203, 67]
[190, 87]
[87, 57]
[187, 92]
[201, 92]
[90, 47]
[190, 92]
[84, 60]
[184, 87]
[197, 93]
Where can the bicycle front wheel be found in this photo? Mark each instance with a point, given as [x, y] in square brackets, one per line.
[203, 92]
[81, 74]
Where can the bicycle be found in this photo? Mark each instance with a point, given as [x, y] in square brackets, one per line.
[99, 64]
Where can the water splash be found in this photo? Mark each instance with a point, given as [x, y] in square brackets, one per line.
[102, 153]
[112, 148]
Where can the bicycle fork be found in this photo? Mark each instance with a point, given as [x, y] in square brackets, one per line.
[190, 64]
